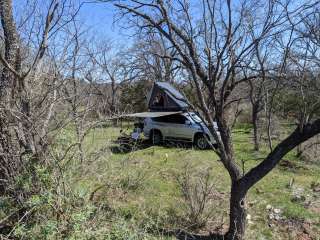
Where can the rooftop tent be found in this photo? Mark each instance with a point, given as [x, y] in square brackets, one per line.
[150, 114]
[164, 97]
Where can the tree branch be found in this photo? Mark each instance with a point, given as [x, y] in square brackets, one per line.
[297, 137]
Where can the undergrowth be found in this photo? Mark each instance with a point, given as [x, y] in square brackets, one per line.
[139, 194]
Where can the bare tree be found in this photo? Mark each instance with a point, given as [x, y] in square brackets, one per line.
[256, 99]
[154, 48]
[17, 137]
[303, 72]
[257, 89]
[27, 91]
[112, 71]
[215, 46]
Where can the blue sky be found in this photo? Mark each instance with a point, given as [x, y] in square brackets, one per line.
[98, 17]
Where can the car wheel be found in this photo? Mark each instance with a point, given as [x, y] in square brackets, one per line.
[201, 142]
[156, 137]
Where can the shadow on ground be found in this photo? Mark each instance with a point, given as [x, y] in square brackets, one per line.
[183, 235]
[126, 146]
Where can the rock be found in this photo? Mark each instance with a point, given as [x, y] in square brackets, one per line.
[271, 216]
[277, 210]
[277, 217]
[275, 213]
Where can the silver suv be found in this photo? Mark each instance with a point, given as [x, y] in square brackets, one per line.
[178, 127]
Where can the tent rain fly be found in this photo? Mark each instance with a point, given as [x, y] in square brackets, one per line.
[164, 97]
[163, 100]
[150, 114]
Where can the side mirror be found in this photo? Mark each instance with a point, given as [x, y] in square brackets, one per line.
[187, 122]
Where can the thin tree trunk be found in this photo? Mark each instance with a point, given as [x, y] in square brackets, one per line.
[255, 128]
[269, 132]
[299, 150]
[113, 100]
[237, 213]
[268, 113]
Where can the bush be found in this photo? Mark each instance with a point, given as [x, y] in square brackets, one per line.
[197, 196]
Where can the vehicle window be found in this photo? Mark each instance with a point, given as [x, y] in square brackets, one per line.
[176, 118]
[161, 119]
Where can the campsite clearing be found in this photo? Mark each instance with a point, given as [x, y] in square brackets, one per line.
[135, 195]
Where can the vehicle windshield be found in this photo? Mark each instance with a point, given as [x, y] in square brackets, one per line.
[195, 118]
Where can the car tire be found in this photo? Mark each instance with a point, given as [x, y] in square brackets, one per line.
[156, 137]
[200, 141]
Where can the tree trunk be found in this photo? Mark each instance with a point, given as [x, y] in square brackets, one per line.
[255, 128]
[237, 213]
[299, 150]
[10, 150]
[113, 97]
[8, 79]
